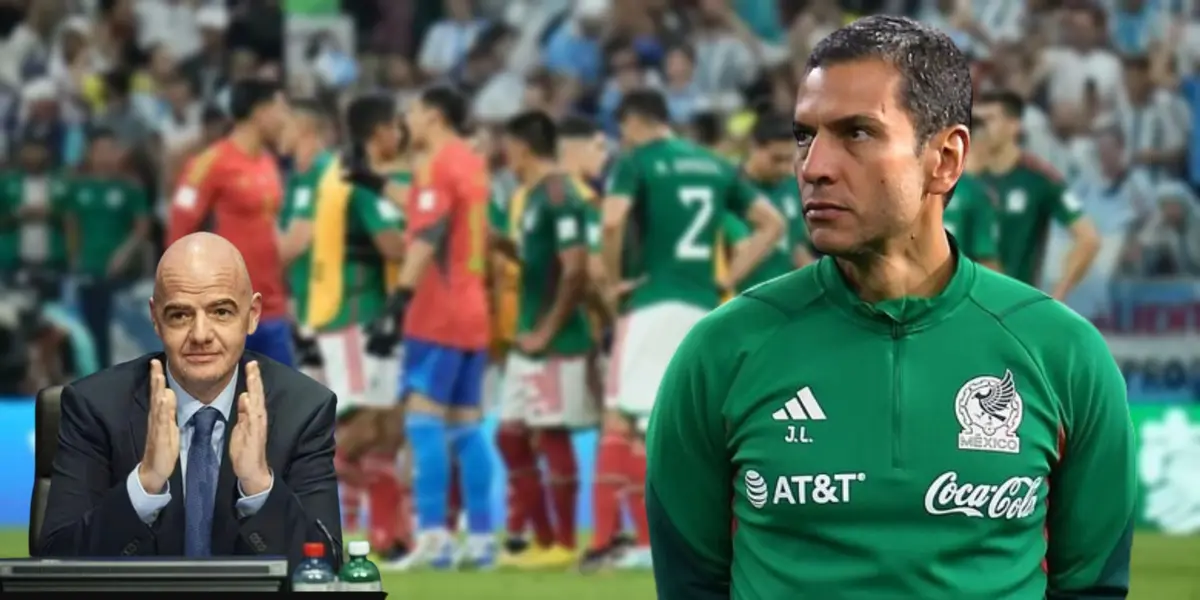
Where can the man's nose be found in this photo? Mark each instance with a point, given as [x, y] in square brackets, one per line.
[818, 163]
[202, 330]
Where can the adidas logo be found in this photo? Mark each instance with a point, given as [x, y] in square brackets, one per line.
[802, 407]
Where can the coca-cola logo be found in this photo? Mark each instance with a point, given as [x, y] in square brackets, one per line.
[1014, 498]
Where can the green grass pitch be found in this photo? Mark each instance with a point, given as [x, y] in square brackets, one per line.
[1164, 568]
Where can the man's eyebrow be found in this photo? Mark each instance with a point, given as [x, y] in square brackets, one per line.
[859, 121]
[222, 302]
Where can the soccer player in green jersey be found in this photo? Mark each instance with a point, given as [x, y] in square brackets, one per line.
[353, 237]
[107, 221]
[769, 168]
[544, 391]
[970, 217]
[1031, 194]
[671, 193]
[306, 140]
[893, 421]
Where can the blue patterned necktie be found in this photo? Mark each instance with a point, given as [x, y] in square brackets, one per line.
[200, 487]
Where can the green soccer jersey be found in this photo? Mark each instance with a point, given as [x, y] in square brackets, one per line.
[299, 204]
[784, 196]
[553, 220]
[971, 219]
[934, 448]
[1030, 196]
[679, 192]
[12, 196]
[364, 281]
[106, 211]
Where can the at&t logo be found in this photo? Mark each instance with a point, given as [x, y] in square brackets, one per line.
[756, 489]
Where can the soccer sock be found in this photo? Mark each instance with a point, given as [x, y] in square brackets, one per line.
[475, 472]
[563, 482]
[349, 477]
[635, 496]
[515, 521]
[431, 477]
[404, 507]
[383, 496]
[611, 479]
[525, 479]
[454, 501]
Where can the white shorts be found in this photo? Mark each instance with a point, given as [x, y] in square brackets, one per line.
[547, 393]
[358, 378]
[646, 339]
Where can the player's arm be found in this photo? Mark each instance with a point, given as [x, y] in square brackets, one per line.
[985, 230]
[194, 197]
[1085, 239]
[384, 222]
[299, 233]
[431, 213]
[140, 207]
[736, 233]
[766, 227]
[688, 489]
[597, 276]
[623, 187]
[570, 242]
[1093, 487]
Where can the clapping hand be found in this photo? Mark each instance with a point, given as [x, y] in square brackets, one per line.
[248, 444]
[162, 434]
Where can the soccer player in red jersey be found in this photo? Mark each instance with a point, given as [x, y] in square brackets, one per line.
[447, 329]
[234, 189]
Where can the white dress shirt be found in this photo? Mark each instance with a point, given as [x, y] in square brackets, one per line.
[148, 505]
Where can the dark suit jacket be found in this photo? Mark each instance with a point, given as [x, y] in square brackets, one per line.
[101, 439]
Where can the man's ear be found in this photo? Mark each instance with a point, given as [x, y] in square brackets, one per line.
[949, 158]
[255, 313]
[154, 318]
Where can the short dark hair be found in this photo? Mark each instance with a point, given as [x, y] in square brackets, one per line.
[576, 126]
[247, 95]
[1010, 102]
[534, 129]
[1136, 62]
[212, 114]
[310, 106]
[684, 49]
[708, 128]
[936, 91]
[770, 128]
[449, 103]
[645, 103]
[119, 82]
[366, 113]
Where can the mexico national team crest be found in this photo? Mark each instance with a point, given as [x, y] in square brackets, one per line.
[989, 410]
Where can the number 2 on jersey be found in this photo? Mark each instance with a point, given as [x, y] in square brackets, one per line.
[691, 245]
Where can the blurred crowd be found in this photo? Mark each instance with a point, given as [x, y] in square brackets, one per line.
[103, 101]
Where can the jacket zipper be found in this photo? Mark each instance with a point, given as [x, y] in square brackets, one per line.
[897, 408]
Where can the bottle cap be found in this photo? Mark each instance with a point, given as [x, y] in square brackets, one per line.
[360, 548]
[314, 549]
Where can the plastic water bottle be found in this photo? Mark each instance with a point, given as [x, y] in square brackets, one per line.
[359, 574]
[314, 574]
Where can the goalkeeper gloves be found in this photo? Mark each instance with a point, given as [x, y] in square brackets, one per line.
[356, 170]
[384, 332]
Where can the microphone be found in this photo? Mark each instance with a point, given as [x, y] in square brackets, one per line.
[334, 546]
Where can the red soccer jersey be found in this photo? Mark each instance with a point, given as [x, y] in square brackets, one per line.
[450, 305]
[236, 196]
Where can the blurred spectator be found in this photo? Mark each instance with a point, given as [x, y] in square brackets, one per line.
[448, 41]
[812, 25]
[120, 114]
[207, 69]
[1155, 121]
[40, 116]
[534, 21]
[683, 97]
[625, 74]
[107, 220]
[1083, 77]
[1136, 25]
[26, 51]
[576, 46]
[172, 23]
[1170, 239]
[728, 56]
[557, 95]
[500, 95]
[31, 197]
